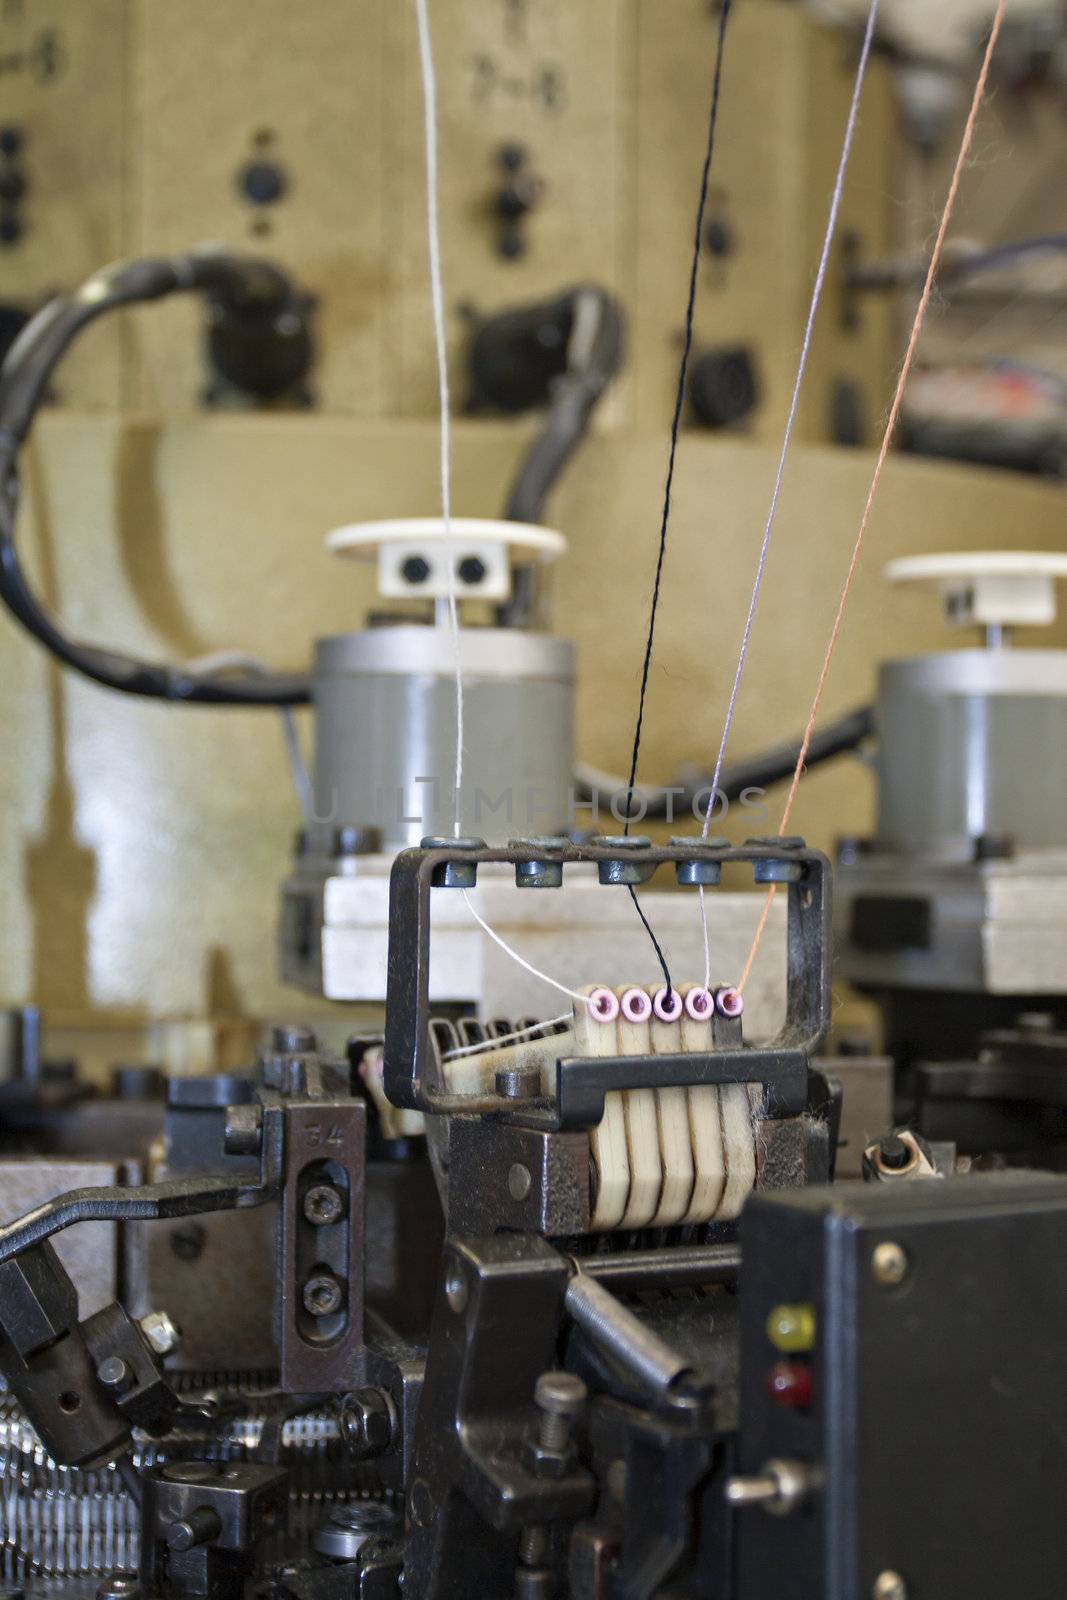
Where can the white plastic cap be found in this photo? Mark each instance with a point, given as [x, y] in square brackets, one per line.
[996, 588]
[413, 554]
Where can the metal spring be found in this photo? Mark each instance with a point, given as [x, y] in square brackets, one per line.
[69, 1522]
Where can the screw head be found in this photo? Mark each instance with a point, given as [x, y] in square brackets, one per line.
[323, 1205]
[889, 1586]
[415, 569]
[519, 1181]
[561, 1393]
[322, 1295]
[471, 569]
[889, 1263]
[114, 1373]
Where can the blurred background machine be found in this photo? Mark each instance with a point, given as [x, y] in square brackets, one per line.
[182, 476]
[330, 1261]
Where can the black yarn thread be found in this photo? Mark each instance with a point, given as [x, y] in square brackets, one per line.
[657, 947]
[676, 422]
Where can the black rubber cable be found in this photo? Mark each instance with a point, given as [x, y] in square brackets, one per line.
[757, 772]
[232, 282]
[575, 394]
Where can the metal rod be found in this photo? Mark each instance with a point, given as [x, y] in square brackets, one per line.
[686, 1267]
[618, 1333]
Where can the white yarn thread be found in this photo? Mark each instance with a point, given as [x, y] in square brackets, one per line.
[506, 1038]
[805, 350]
[433, 231]
[437, 298]
[515, 956]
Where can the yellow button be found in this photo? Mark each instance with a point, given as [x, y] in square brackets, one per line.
[792, 1328]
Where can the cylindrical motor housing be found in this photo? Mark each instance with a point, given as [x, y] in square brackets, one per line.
[385, 720]
[972, 744]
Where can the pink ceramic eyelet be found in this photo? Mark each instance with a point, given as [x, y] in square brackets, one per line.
[729, 1001]
[699, 1005]
[636, 1006]
[667, 1004]
[603, 1005]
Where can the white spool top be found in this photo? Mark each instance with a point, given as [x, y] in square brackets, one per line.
[994, 589]
[524, 539]
[413, 554]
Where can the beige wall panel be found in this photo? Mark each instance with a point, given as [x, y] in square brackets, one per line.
[610, 506]
[63, 86]
[786, 87]
[552, 76]
[302, 85]
[141, 846]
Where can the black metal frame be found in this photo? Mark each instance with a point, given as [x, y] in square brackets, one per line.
[412, 1077]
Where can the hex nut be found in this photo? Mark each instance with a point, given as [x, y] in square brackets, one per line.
[162, 1333]
[368, 1422]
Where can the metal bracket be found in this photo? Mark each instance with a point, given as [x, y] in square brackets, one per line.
[412, 1074]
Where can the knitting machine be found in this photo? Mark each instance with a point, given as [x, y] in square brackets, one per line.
[560, 1309]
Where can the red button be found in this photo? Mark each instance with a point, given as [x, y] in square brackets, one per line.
[789, 1383]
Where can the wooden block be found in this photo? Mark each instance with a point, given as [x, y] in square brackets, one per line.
[642, 1127]
[607, 1141]
[672, 1113]
[740, 1144]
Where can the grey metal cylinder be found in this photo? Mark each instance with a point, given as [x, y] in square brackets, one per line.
[972, 743]
[385, 733]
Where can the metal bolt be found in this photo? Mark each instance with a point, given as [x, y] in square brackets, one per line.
[889, 1263]
[117, 1586]
[290, 1039]
[779, 1487]
[519, 1181]
[559, 1396]
[162, 1333]
[893, 1153]
[243, 1132]
[323, 1295]
[323, 1205]
[533, 1545]
[368, 1422]
[115, 1373]
[889, 1586]
[518, 1083]
[199, 1527]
